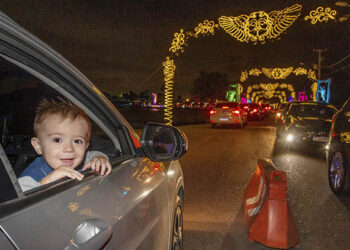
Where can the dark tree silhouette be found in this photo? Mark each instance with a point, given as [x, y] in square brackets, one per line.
[211, 85]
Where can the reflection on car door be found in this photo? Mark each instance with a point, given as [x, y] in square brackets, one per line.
[129, 206]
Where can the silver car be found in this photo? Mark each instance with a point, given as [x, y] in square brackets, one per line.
[138, 206]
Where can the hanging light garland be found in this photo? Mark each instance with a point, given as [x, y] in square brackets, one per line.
[257, 27]
[169, 72]
[321, 15]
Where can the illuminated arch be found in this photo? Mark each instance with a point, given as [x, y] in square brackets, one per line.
[266, 26]
[278, 74]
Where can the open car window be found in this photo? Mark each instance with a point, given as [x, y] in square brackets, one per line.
[20, 94]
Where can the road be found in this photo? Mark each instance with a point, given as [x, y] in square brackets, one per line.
[219, 165]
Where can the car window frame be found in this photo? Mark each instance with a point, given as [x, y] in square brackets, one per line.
[121, 133]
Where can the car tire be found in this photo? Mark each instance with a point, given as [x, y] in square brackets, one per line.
[338, 173]
[213, 125]
[177, 229]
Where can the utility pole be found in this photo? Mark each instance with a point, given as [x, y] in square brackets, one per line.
[319, 60]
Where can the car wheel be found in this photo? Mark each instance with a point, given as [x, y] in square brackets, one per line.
[177, 234]
[337, 174]
[213, 125]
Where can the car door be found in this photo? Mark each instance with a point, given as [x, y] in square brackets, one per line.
[125, 210]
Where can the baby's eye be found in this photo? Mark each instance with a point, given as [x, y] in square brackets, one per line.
[79, 141]
[56, 140]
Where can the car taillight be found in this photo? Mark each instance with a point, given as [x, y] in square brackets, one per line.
[255, 110]
[236, 112]
[212, 112]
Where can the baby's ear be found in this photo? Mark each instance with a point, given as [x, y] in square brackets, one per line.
[87, 145]
[36, 145]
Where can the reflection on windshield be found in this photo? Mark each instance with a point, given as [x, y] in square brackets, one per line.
[312, 111]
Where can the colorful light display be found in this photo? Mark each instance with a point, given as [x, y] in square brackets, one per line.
[302, 97]
[257, 27]
[323, 90]
[234, 92]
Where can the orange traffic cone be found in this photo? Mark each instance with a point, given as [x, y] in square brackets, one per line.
[274, 225]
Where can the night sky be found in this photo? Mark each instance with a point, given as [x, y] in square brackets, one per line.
[120, 45]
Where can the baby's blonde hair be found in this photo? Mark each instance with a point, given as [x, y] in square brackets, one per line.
[62, 108]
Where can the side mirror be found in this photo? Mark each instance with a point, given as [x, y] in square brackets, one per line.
[162, 142]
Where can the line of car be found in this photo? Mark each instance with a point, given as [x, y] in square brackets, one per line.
[238, 114]
[323, 126]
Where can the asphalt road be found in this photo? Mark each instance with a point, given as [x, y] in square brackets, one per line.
[218, 167]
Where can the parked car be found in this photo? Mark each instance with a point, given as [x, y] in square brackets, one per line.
[306, 122]
[338, 151]
[139, 205]
[255, 112]
[228, 113]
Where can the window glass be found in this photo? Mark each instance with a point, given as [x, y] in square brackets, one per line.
[253, 105]
[20, 94]
[310, 110]
[228, 104]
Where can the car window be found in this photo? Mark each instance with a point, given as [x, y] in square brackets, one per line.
[20, 93]
[253, 105]
[312, 110]
[229, 104]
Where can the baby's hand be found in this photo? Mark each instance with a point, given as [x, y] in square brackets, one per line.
[60, 173]
[99, 164]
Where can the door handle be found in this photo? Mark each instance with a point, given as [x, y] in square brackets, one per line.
[90, 234]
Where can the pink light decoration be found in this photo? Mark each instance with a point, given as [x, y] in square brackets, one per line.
[154, 98]
[302, 96]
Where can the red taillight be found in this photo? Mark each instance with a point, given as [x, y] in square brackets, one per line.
[212, 112]
[245, 107]
[225, 107]
[255, 110]
[236, 112]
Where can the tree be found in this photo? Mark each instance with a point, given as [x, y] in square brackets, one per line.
[211, 85]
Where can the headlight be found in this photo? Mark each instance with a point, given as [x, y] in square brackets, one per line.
[290, 137]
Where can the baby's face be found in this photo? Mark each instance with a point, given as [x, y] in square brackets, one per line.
[62, 143]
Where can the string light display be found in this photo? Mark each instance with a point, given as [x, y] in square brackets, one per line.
[169, 72]
[321, 15]
[257, 27]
